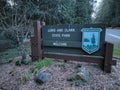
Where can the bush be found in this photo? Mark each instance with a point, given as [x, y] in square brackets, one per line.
[5, 44]
[11, 35]
[8, 40]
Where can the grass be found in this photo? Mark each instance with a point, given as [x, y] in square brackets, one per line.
[24, 78]
[43, 63]
[116, 52]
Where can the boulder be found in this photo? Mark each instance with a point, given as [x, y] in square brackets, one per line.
[83, 74]
[42, 77]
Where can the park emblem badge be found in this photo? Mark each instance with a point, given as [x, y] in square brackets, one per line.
[91, 39]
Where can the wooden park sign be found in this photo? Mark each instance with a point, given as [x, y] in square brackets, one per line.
[84, 43]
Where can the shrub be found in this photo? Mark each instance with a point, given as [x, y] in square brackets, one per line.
[5, 44]
[11, 35]
[8, 40]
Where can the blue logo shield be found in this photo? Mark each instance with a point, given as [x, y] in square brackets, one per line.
[91, 39]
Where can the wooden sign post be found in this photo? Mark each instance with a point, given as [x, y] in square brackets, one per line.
[36, 42]
[85, 43]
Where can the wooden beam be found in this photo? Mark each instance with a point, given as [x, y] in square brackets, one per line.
[108, 57]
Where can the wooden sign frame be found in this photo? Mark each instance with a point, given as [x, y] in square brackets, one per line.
[37, 52]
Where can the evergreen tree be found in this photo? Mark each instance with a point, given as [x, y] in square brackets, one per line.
[83, 10]
[54, 11]
[109, 12]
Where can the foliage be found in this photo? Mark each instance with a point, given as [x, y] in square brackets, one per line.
[16, 19]
[83, 10]
[50, 11]
[18, 63]
[10, 35]
[26, 62]
[62, 65]
[116, 51]
[109, 12]
[24, 78]
[56, 11]
[14, 52]
[14, 22]
[9, 54]
[8, 39]
[5, 44]
[43, 63]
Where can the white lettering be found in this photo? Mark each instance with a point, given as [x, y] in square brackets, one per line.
[66, 35]
[55, 35]
[59, 44]
[59, 30]
[51, 30]
[70, 30]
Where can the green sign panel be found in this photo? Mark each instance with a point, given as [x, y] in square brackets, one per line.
[74, 39]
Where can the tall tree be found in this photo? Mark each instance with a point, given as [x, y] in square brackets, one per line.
[83, 10]
[14, 19]
[4, 10]
[59, 11]
[109, 12]
[55, 11]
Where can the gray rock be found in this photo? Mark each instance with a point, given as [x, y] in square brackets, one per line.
[81, 75]
[84, 74]
[42, 77]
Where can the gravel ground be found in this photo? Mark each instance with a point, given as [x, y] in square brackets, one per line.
[20, 78]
